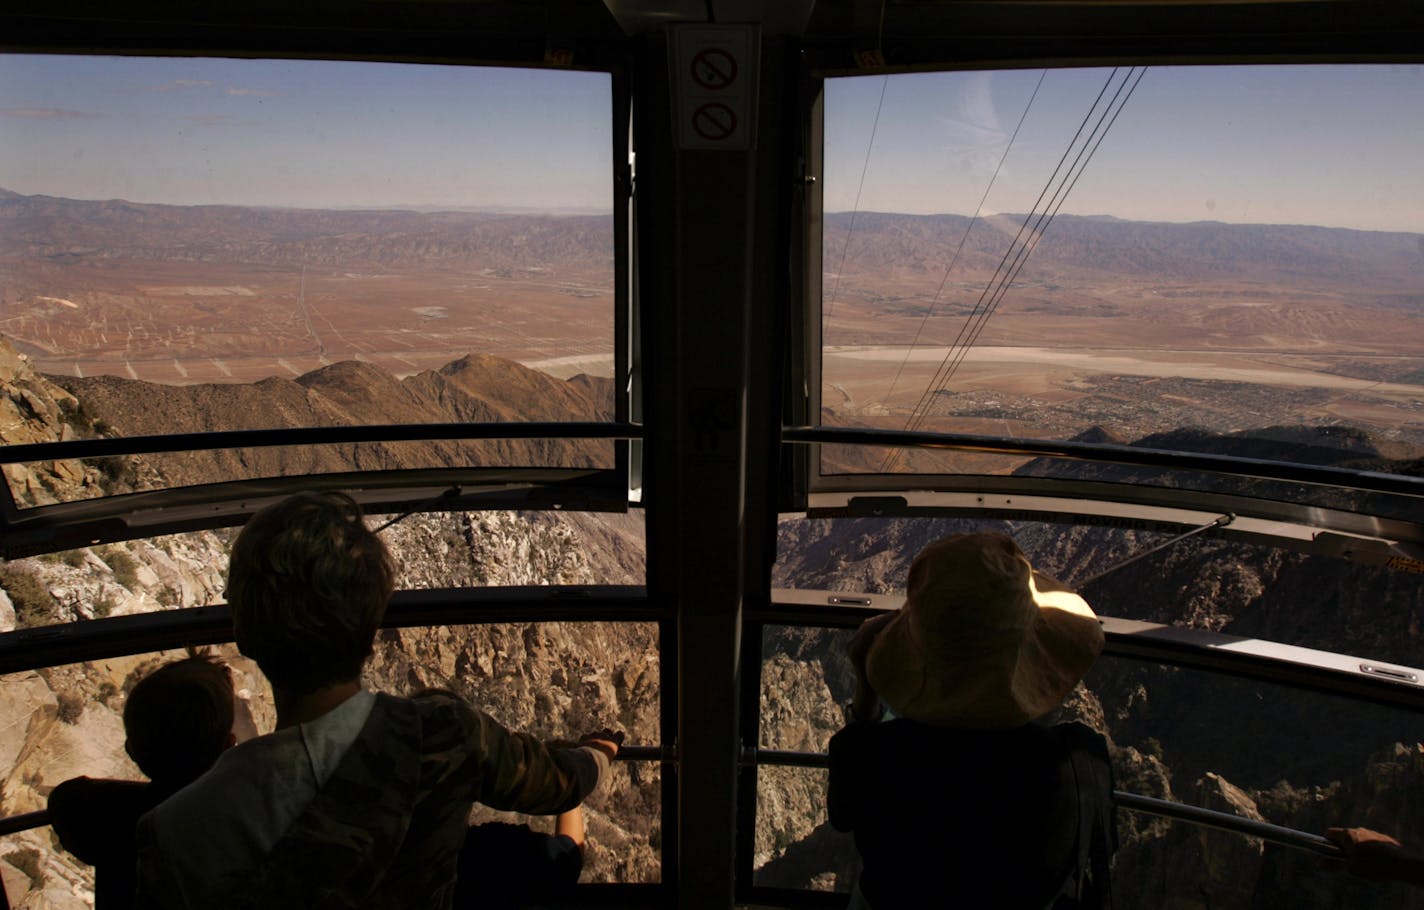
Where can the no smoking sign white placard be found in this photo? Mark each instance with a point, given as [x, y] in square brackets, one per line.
[715, 76]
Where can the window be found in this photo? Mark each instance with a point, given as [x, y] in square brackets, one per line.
[1214, 259]
[1212, 691]
[553, 679]
[1247, 748]
[204, 245]
[432, 550]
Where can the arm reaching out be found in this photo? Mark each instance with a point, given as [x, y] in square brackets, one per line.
[1370, 854]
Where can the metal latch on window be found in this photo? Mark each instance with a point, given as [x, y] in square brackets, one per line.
[1389, 673]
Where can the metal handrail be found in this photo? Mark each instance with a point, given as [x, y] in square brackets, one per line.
[1197, 815]
[14, 824]
[1134, 802]
[1225, 821]
[293, 436]
[1137, 456]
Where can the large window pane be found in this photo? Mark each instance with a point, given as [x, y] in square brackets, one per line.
[431, 550]
[551, 679]
[1275, 594]
[1262, 751]
[1214, 259]
[198, 244]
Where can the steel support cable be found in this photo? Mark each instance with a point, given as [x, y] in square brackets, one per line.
[1004, 279]
[954, 260]
[1075, 171]
[1034, 224]
[1055, 204]
[934, 382]
[855, 209]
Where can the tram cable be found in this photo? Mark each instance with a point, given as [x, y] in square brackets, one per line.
[1016, 256]
[954, 260]
[855, 209]
[1041, 226]
[993, 290]
[938, 380]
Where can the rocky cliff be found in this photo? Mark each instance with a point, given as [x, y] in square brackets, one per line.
[554, 679]
[1267, 752]
[1291, 758]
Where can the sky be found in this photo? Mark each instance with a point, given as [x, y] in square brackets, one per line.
[1341, 145]
[193, 131]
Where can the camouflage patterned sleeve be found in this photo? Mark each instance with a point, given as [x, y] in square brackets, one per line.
[508, 770]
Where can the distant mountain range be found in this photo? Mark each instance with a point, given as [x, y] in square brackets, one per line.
[64, 231]
[1101, 249]
[1097, 248]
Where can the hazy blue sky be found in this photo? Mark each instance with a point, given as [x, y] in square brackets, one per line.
[1340, 145]
[304, 133]
[1332, 145]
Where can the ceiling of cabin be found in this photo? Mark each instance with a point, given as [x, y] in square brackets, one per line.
[906, 32]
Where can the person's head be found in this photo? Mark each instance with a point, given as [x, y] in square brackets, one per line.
[178, 719]
[983, 640]
[308, 585]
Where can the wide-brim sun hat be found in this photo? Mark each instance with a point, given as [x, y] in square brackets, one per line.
[983, 640]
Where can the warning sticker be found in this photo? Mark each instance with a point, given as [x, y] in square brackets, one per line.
[714, 68]
[715, 71]
[714, 121]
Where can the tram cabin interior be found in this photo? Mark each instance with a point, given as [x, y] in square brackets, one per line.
[659, 337]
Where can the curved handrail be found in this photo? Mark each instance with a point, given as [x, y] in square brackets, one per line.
[1212, 818]
[1167, 459]
[14, 824]
[293, 436]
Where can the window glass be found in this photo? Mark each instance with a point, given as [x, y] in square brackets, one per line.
[1233, 587]
[555, 680]
[67, 721]
[1267, 752]
[135, 576]
[431, 550]
[1208, 259]
[195, 244]
[805, 681]
[796, 847]
[1296, 759]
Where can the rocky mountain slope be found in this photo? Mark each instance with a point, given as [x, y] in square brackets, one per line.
[1267, 752]
[477, 389]
[555, 679]
[1292, 758]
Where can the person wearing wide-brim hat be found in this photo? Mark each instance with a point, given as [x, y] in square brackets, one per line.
[958, 794]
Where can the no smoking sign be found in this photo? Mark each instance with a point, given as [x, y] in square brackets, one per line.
[714, 71]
